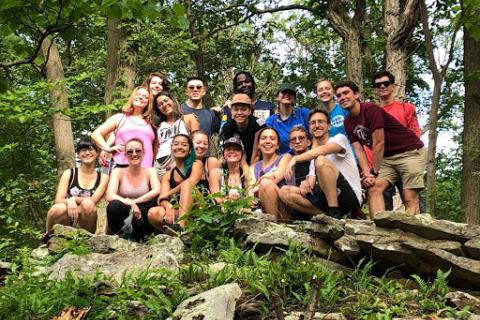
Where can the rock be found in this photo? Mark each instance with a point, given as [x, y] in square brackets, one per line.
[136, 309]
[297, 315]
[215, 304]
[249, 225]
[5, 269]
[173, 244]
[465, 272]
[353, 227]
[115, 264]
[217, 267]
[427, 227]
[40, 253]
[326, 227]
[348, 245]
[60, 230]
[459, 300]
[473, 248]
[108, 244]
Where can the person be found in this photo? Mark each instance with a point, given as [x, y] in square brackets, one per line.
[169, 121]
[232, 179]
[131, 192]
[209, 122]
[200, 145]
[336, 113]
[397, 152]
[405, 113]
[268, 174]
[133, 122]
[78, 191]
[243, 125]
[180, 180]
[156, 82]
[288, 115]
[340, 191]
[243, 82]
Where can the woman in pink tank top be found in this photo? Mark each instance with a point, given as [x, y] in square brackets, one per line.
[133, 123]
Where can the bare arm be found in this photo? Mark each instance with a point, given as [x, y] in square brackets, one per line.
[368, 179]
[98, 194]
[192, 122]
[378, 137]
[255, 155]
[103, 130]
[113, 184]
[61, 195]
[215, 176]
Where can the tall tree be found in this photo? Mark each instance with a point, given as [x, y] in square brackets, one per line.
[61, 124]
[470, 198]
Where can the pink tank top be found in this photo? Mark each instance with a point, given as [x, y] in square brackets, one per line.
[130, 127]
[126, 190]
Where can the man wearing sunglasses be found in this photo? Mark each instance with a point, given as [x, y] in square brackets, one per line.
[195, 90]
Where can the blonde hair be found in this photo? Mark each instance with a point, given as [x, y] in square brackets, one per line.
[147, 112]
[244, 167]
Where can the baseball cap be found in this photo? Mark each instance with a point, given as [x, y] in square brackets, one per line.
[233, 141]
[241, 98]
[287, 87]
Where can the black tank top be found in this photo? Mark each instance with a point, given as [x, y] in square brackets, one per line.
[172, 181]
[74, 189]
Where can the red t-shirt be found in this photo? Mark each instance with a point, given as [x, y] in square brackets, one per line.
[398, 138]
[405, 113]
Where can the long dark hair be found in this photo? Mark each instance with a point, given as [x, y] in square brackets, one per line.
[159, 117]
[192, 157]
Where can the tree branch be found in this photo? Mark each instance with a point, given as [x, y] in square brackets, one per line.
[338, 19]
[408, 21]
[428, 41]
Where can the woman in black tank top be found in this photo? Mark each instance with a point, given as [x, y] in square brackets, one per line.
[78, 192]
[178, 181]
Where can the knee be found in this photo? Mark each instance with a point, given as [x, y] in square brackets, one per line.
[57, 211]
[154, 213]
[88, 207]
[377, 189]
[285, 194]
[321, 163]
[266, 184]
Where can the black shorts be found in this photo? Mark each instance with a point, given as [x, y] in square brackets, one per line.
[347, 200]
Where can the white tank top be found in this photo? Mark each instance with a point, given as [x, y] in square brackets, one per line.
[165, 134]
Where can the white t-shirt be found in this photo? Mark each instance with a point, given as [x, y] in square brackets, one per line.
[165, 134]
[345, 163]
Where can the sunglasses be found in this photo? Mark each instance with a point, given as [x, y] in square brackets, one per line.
[299, 139]
[195, 87]
[134, 151]
[383, 83]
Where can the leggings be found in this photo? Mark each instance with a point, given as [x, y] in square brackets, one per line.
[117, 212]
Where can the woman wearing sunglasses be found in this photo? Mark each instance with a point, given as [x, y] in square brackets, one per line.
[78, 192]
[132, 191]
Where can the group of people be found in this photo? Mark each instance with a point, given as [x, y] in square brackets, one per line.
[297, 161]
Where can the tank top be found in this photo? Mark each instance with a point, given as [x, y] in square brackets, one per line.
[74, 188]
[258, 171]
[127, 190]
[130, 127]
[165, 134]
[184, 177]
[225, 187]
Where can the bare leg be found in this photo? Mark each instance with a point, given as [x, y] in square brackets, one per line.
[87, 218]
[294, 199]
[268, 192]
[327, 175]
[411, 200]
[375, 197]
[155, 216]
[186, 200]
[57, 215]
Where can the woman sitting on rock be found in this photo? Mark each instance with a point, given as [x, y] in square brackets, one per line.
[232, 179]
[133, 122]
[200, 144]
[169, 121]
[132, 191]
[269, 174]
[180, 180]
[79, 191]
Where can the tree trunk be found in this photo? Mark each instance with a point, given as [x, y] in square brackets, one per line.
[398, 28]
[129, 65]
[432, 146]
[470, 198]
[62, 127]
[354, 58]
[114, 36]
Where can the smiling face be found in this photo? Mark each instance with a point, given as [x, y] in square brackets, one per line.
[318, 125]
[232, 153]
[141, 98]
[134, 152]
[200, 145]
[196, 90]
[180, 147]
[165, 105]
[347, 98]
[240, 113]
[325, 91]
[87, 154]
[299, 141]
[268, 142]
[156, 85]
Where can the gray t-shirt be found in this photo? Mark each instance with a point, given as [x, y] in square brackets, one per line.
[209, 122]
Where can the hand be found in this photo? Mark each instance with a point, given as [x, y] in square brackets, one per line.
[137, 214]
[103, 158]
[116, 148]
[289, 169]
[169, 216]
[368, 181]
[305, 188]
[72, 208]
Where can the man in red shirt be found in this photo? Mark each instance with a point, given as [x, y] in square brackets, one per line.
[397, 152]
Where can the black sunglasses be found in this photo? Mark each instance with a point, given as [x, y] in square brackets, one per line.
[383, 83]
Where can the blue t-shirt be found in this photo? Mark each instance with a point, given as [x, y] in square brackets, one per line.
[298, 118]
[337, 116]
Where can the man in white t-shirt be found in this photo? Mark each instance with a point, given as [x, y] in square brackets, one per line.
[339, 191]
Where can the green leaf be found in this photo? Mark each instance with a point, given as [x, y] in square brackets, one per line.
[8, 4]
[3, 83]
[178, 9]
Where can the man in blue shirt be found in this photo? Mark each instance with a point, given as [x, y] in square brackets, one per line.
[288, 115]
